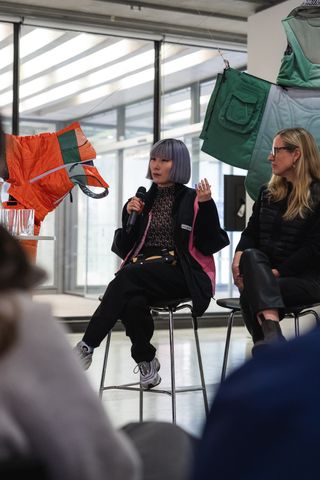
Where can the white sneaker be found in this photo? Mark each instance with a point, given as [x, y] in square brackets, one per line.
[84, 353]
[149, 376]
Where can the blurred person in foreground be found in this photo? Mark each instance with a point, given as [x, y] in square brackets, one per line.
[264, 423]
[47, 409]
[277, 260]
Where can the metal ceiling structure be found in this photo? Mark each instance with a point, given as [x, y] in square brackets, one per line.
[65, 72]
[211, 20]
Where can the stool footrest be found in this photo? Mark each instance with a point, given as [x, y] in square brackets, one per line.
[130, 386]
[125, 386]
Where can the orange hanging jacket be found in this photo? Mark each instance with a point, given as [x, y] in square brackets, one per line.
[44, 168]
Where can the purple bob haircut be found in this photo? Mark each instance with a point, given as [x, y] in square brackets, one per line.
[175, 150]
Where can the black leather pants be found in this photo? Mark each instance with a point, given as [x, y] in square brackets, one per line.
[263, 291]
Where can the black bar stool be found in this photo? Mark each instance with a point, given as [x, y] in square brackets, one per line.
[234, 305]
[170, 307]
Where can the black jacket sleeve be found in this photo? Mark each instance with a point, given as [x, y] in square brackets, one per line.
[122, 241]
[308, 255]
[209, 237]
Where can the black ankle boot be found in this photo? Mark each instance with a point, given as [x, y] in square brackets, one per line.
[272, 331]
[259, 347]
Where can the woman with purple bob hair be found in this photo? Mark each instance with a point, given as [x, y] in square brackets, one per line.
[167, 254]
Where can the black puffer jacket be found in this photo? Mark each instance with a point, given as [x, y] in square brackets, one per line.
[293, 246]
[208, 238]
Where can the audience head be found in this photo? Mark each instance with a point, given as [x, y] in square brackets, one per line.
[175, 150]
[16, 273]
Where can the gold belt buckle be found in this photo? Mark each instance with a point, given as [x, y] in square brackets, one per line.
[137, 258]
[153, 257]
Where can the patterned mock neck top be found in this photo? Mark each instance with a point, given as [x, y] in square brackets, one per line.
[160, 233]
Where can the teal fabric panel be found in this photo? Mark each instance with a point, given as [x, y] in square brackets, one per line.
[233, 117]
[285, 108]
[300, 65]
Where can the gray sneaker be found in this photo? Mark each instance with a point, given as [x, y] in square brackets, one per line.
[149, 376]
[84, 353]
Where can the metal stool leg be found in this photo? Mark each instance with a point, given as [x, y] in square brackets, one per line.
[173, 379]
[125, 387]
[296, 325]
[227, 344]
[104, 368]
[316, 317]
[204, 390]
[141, 405]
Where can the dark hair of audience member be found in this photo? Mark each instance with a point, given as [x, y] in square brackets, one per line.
[16, 274]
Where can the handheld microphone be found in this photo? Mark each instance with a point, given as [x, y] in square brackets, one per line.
[134, 215]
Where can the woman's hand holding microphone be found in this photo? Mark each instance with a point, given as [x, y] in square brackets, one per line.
[135, 205]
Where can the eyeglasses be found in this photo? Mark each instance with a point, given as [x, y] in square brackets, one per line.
[276, 150]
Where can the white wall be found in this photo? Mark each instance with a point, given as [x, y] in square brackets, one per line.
[267, 40]
[266, 45]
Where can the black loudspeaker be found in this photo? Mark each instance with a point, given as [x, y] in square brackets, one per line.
[234, 203]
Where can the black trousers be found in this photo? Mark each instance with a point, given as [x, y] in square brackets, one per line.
[128, 297]
[263, 291]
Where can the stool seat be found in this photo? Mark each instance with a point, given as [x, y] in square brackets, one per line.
[232, 303]
[290, 312]
[299, 311]
[168, 306]
[299, 308]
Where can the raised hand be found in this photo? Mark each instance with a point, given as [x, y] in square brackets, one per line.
[203, 190]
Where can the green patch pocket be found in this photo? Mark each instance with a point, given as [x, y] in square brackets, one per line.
[240, 112]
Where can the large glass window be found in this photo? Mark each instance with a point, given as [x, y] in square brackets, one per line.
[135, 169]
[45, 248]
[139, 121]
[96, 218]
[6, 74]
[107, 84]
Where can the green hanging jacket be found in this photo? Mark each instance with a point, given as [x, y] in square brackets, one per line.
[244, 114]
[300, 65]
[234, 112]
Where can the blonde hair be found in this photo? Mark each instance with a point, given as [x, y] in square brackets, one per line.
[307, 169]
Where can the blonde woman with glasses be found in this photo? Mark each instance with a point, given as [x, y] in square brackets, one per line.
[277, 260]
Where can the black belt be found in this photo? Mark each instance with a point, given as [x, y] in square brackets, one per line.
[164, 256]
